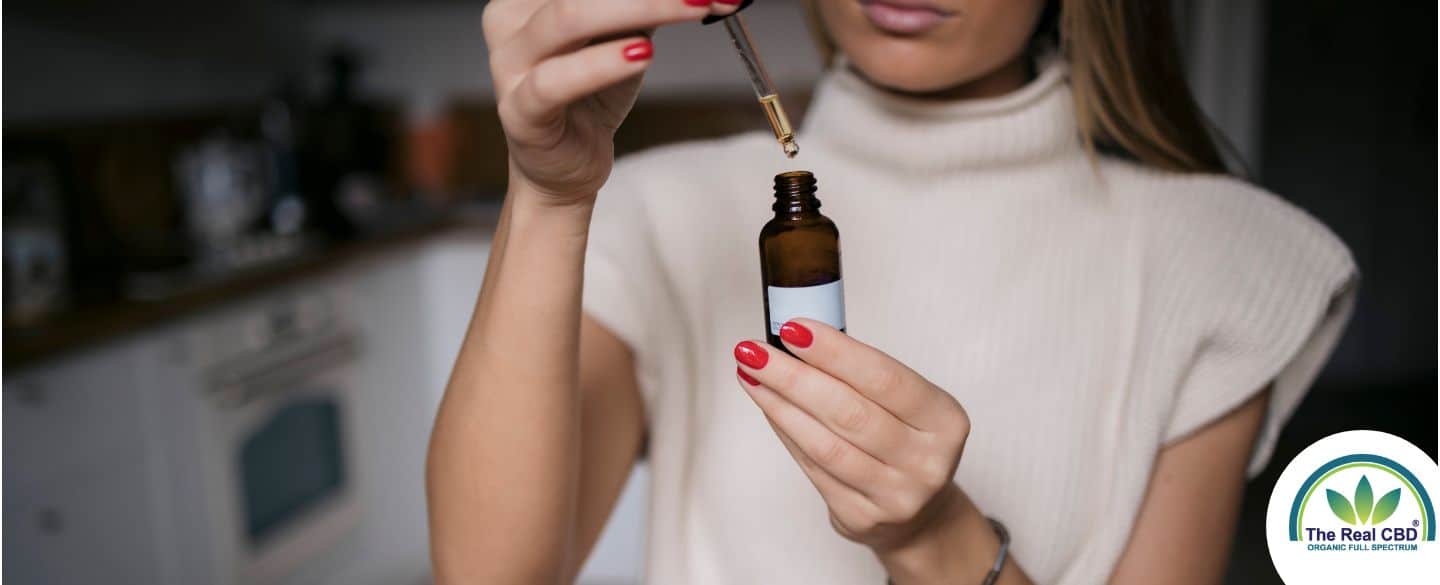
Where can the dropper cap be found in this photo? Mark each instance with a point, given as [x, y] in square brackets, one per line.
[765, 90]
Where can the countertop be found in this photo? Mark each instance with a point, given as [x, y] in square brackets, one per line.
[70, 329]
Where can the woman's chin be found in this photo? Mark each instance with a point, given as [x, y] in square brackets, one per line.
[908, 71]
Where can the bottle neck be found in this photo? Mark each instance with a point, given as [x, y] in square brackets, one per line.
[801, 205]
[795, 194]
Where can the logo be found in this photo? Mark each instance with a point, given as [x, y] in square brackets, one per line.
[1362, 509]
[1354, 507]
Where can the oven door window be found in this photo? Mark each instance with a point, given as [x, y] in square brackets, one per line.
[289, 464]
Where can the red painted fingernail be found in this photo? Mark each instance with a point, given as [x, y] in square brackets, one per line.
[796, 334]
[638, 51]
[751, 354]
[746, 377]
[698, 2]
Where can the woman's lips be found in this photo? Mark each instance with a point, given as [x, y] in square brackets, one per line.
[903, 17]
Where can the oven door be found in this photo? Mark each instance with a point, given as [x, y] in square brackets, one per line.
[288, 490]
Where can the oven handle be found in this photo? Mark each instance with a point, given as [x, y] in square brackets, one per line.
[235, 385]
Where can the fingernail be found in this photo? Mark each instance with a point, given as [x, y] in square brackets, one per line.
[796, 334]
[746, 377]
[638, 51]
[751, 354]
[698, 2]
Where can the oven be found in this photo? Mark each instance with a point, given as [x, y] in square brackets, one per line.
[273, 459]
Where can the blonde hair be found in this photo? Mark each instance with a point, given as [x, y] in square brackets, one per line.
[1131, 97]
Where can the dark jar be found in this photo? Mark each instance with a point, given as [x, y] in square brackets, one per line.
[800, 259]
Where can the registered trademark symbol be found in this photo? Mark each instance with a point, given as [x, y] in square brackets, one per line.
[1414, 522]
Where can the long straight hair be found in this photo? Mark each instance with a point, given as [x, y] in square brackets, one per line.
[1131, 97]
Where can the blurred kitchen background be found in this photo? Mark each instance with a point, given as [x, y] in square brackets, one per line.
[241, 241]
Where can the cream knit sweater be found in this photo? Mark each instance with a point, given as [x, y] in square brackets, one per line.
[1085, 313]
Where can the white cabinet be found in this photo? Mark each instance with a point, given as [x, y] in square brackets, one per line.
[78, 412]
[77, 508]
[95, 526]
[412, 309]
[450, 273]
[392, 414]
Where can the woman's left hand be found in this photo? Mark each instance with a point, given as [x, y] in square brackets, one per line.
[879, 441]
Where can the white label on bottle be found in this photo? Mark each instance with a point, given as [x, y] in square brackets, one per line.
[822, 302]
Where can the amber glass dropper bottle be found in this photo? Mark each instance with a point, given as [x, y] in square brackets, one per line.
[800, 259]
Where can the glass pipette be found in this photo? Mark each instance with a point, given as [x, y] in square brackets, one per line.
[760, 81]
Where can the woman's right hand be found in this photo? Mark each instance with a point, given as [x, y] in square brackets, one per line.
[565, 74]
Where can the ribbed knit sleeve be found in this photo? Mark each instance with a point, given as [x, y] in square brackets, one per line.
[1259, 290]
[625, 286]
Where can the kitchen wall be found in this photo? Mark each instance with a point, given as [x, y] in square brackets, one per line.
[426, 51]
[416, 53]
[119, 59]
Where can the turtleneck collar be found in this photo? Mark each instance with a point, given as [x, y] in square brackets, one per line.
[859, 120]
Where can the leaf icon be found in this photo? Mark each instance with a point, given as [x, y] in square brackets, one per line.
[1340, 506]
[1364, 500]
[1386, 506]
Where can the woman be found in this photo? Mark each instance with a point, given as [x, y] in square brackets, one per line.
[1063, 316]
